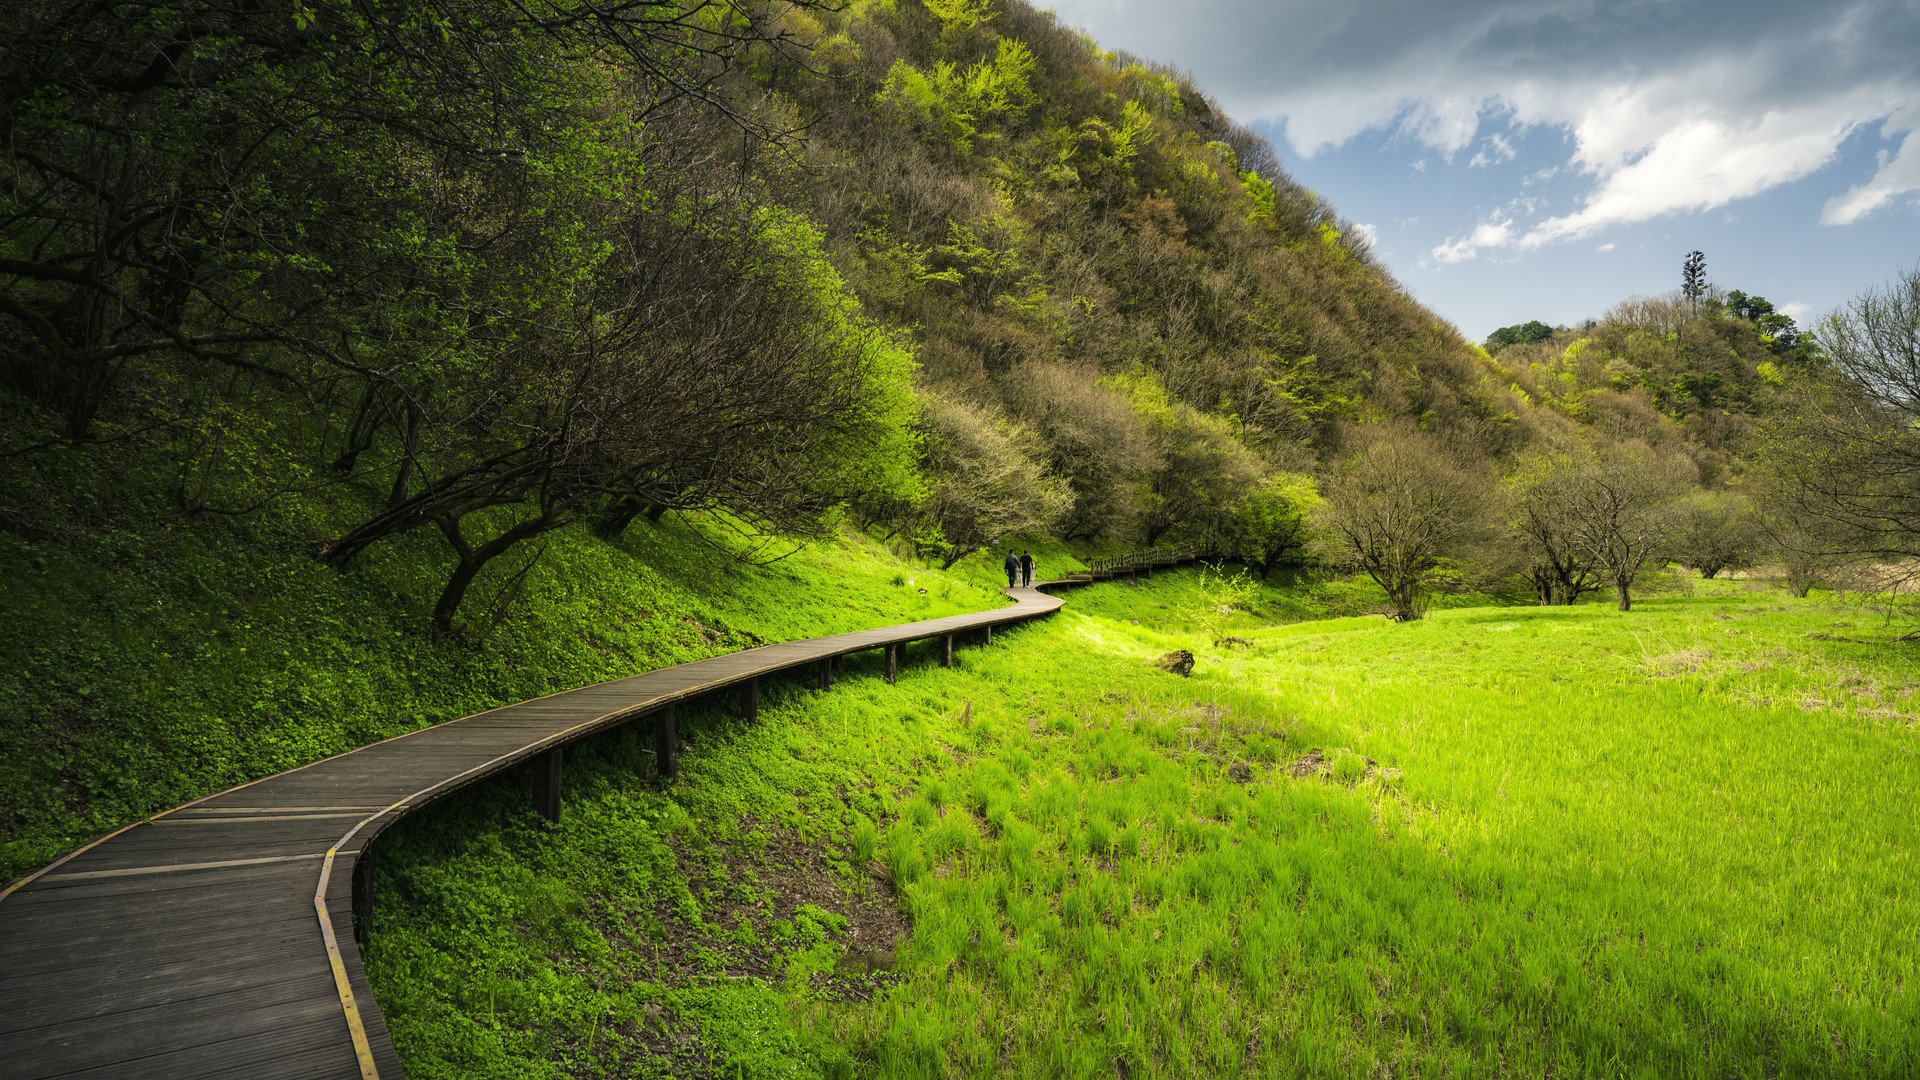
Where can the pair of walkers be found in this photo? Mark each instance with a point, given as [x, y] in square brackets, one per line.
[1019, 568]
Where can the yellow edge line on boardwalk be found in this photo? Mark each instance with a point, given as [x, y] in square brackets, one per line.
[174, 868]
[361, 1048]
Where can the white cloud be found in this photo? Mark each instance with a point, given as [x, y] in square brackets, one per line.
[1898, 174]
[1367, 232]
[1672, 107]
[1488, 234]
[1652, 153]
[1498, 151]
[1795, 310]
[1604, 248]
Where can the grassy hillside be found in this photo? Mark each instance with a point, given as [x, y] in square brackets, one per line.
[152, 657]
[1503, 841]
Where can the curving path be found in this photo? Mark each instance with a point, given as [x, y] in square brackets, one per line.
[216, 939]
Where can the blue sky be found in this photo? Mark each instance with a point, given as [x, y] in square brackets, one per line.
[1545, 159]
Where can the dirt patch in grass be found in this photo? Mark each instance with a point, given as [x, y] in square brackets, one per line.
[1309, 764]
[754, 901]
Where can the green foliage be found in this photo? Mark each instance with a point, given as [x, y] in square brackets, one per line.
[1519, 334]
[1222, 594]
[1678, 376]
[1272, 526]
[1777, 329]
[1263, 195]
[960, 102]
[959, 15]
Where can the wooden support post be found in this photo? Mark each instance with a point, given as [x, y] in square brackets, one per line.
[547, 793]
[826, 672]
[667, 755]
[946, 650]
[750, 700]
[363, 895]
[989, 633]
[893, 664]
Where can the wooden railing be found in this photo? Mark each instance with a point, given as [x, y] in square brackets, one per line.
[1144, 559]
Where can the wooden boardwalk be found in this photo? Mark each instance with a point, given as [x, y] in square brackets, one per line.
[216, 939]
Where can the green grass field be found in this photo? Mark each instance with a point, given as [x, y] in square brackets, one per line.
[1505, 841]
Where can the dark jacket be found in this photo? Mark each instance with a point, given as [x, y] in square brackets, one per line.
[1026, 565]
[1013, 563]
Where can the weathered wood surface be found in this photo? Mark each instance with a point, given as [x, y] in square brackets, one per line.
[193, 943]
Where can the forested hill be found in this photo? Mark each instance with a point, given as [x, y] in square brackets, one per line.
[1024, 197]
[493, 271]
[1088, 246]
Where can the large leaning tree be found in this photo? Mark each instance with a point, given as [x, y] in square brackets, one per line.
[1396, 510]
[709, 365]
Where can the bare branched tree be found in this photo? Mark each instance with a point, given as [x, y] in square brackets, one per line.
[1715, 531]
[1620, 509]
[1094, 442]
[1396, 509]
[988, 479]
[1841, 456]
[1540, 500]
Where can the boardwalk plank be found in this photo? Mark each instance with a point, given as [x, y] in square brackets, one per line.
[316, 1048]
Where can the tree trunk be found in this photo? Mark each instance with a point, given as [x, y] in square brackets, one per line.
[472, 560]
[1404, 608]
[618, 517]
[1626, 601]
[360, 433]
[955, 555]
[403, 478]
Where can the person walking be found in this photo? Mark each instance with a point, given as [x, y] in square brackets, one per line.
[1013, 569]
[1026, 568]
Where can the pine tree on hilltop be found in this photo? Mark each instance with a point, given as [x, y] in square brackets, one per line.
[1693, 279]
